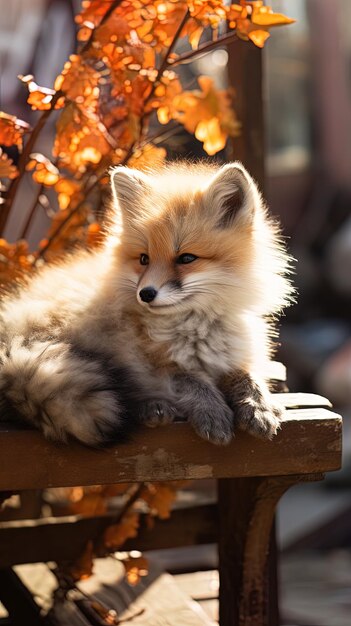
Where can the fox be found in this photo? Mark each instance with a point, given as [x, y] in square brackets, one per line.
[173, 317]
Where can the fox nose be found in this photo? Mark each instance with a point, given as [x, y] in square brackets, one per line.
[147, 294]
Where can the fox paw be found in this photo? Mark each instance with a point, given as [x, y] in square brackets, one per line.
[260, 418]
[213, 423]
[157, 413]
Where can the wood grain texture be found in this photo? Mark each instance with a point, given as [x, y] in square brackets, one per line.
[309, 442]
[247, 592]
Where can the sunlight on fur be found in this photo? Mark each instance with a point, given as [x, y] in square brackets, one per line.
[174, 316]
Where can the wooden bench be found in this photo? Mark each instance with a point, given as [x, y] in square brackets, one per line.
[251, 475]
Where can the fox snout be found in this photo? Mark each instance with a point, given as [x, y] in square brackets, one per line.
[147, 294]
[166, 294]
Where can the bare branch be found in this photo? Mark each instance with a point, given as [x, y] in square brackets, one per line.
[188, 57]
[31, 213]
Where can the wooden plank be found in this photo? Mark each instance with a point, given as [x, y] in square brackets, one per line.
[309, 442]
[302, 400]
[64, 539]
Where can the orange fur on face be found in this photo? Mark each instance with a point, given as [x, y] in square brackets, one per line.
[216, 215]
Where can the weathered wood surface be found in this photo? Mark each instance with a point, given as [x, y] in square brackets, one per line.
[302, 400]
[309, 442]
[247, 592]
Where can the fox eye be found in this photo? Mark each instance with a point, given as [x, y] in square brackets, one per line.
[144, 259]
[185, 258]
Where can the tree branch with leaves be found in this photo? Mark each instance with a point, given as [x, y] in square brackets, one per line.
[122, 74]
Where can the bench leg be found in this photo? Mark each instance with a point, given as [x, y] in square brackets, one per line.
[248, 580]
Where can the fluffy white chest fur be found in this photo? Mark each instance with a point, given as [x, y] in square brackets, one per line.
[199, 343]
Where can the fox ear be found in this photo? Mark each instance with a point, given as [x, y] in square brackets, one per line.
[231, 195]
[128, 186]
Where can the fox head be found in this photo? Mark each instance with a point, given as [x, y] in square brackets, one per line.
[193, 235]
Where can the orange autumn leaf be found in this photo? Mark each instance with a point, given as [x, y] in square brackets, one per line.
[89, 505]
[258, 37]
[235, 13]
[44, 172]
[253, 19]
[194, 34]
[142, 158]
[117, 534]
[40, 98]
[265, 16]
[92, 12]
[192, 107]
[79, 81]
[66, 188]
[7, 168]
[15, 260]
[79, 139]
[116, 28]
[159, 498]
[169, 16]
[211, 135]
[12, 130]
[210, 12]
[208, 114]
[165, 96]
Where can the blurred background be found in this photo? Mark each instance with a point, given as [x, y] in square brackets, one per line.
[307, 93]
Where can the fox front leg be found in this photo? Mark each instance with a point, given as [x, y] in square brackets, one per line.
[252, 404]
[205, 408]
